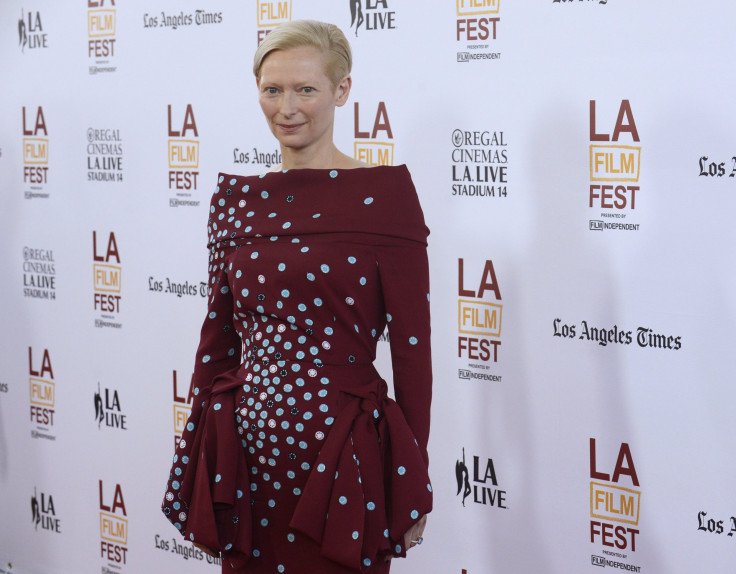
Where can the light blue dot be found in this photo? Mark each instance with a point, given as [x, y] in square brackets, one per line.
[185, 459]
[220, 179]
[240, 494]
[256, 553]
[414, 514]
[310, 276]
[304, 249]
[282, 266]
[371, 506]
[333, 173]
[272, 215]
[190, 427]
[246, 188]
[217, 407]
[175, 485]
[355, 534]
[290, 537]
[280, 567]
[368, 200]
[366, 561]
[328, 330]
[221, 203]
[375, 413]
[244, 292]
[398, 549]
[413, 340]
[206, 359]
[323, 408]
[318, 302]
[343, 500]
[228, 547]
[254, 255]
[325, 268]
[351, 259]
[388, 317]
[218, 477]
[297, 491]
[363, 280]
[316, 216]
[264, 522]
[271, 503]
[401, 470]
[429, 487]
[264, 194]
[177, 471]
[320, 467]
[385, 533]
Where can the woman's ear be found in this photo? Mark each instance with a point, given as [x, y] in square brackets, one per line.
[343, 90]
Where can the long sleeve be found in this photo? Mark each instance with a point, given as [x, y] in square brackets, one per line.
[219, 344]
[404, 273]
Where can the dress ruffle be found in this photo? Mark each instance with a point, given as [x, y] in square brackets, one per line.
[368, 486]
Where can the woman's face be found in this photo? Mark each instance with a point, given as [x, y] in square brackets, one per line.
[298, 99]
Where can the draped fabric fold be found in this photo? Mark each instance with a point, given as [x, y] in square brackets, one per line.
[210, 476]
[369, 484]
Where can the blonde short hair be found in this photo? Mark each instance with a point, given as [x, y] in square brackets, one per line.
[298, 33]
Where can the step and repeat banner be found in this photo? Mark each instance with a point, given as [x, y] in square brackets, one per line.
[576, 162]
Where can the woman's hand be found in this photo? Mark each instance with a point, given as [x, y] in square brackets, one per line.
[207, 550]
[413, 536]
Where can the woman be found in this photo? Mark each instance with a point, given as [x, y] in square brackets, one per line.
[294, 459]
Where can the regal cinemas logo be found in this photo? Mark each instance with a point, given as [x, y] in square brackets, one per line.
[182, 408]
[107, 275]
[104, 155]
[479, 163]
[35, 152]
[39, 273]
[101, 29]
[477, 23]
[43, 512]
[270, 15]
[375, 16]
[479, 313]
[43, 394]
[615, 164]
[484, 488]
[368, 146]
[183, 157]
[30, 31]
[614, 499]
[113, 526]
[107, 409]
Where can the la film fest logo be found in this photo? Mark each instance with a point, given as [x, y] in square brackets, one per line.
[484, 489]
[101, 32]
[479, 163]
[107, 273]
[108, 413]
[477, 28]
[605, 335]
[43, 512]
[183, 152]
[614, 168]
[30, 31]
[371, 15]
[183, 397]
[270, 14]
[39, 273]
[479, 313]
[113, 526]
[181, 20]
[35, 151]
[104, 155]
[614, 504]
[372, 145]
[42, 390]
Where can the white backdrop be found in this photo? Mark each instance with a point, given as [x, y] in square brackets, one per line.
[581, 333]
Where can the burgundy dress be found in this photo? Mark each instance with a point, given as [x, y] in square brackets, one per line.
[294, 459]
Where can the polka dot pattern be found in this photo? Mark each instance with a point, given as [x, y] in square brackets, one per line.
[298, 295]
